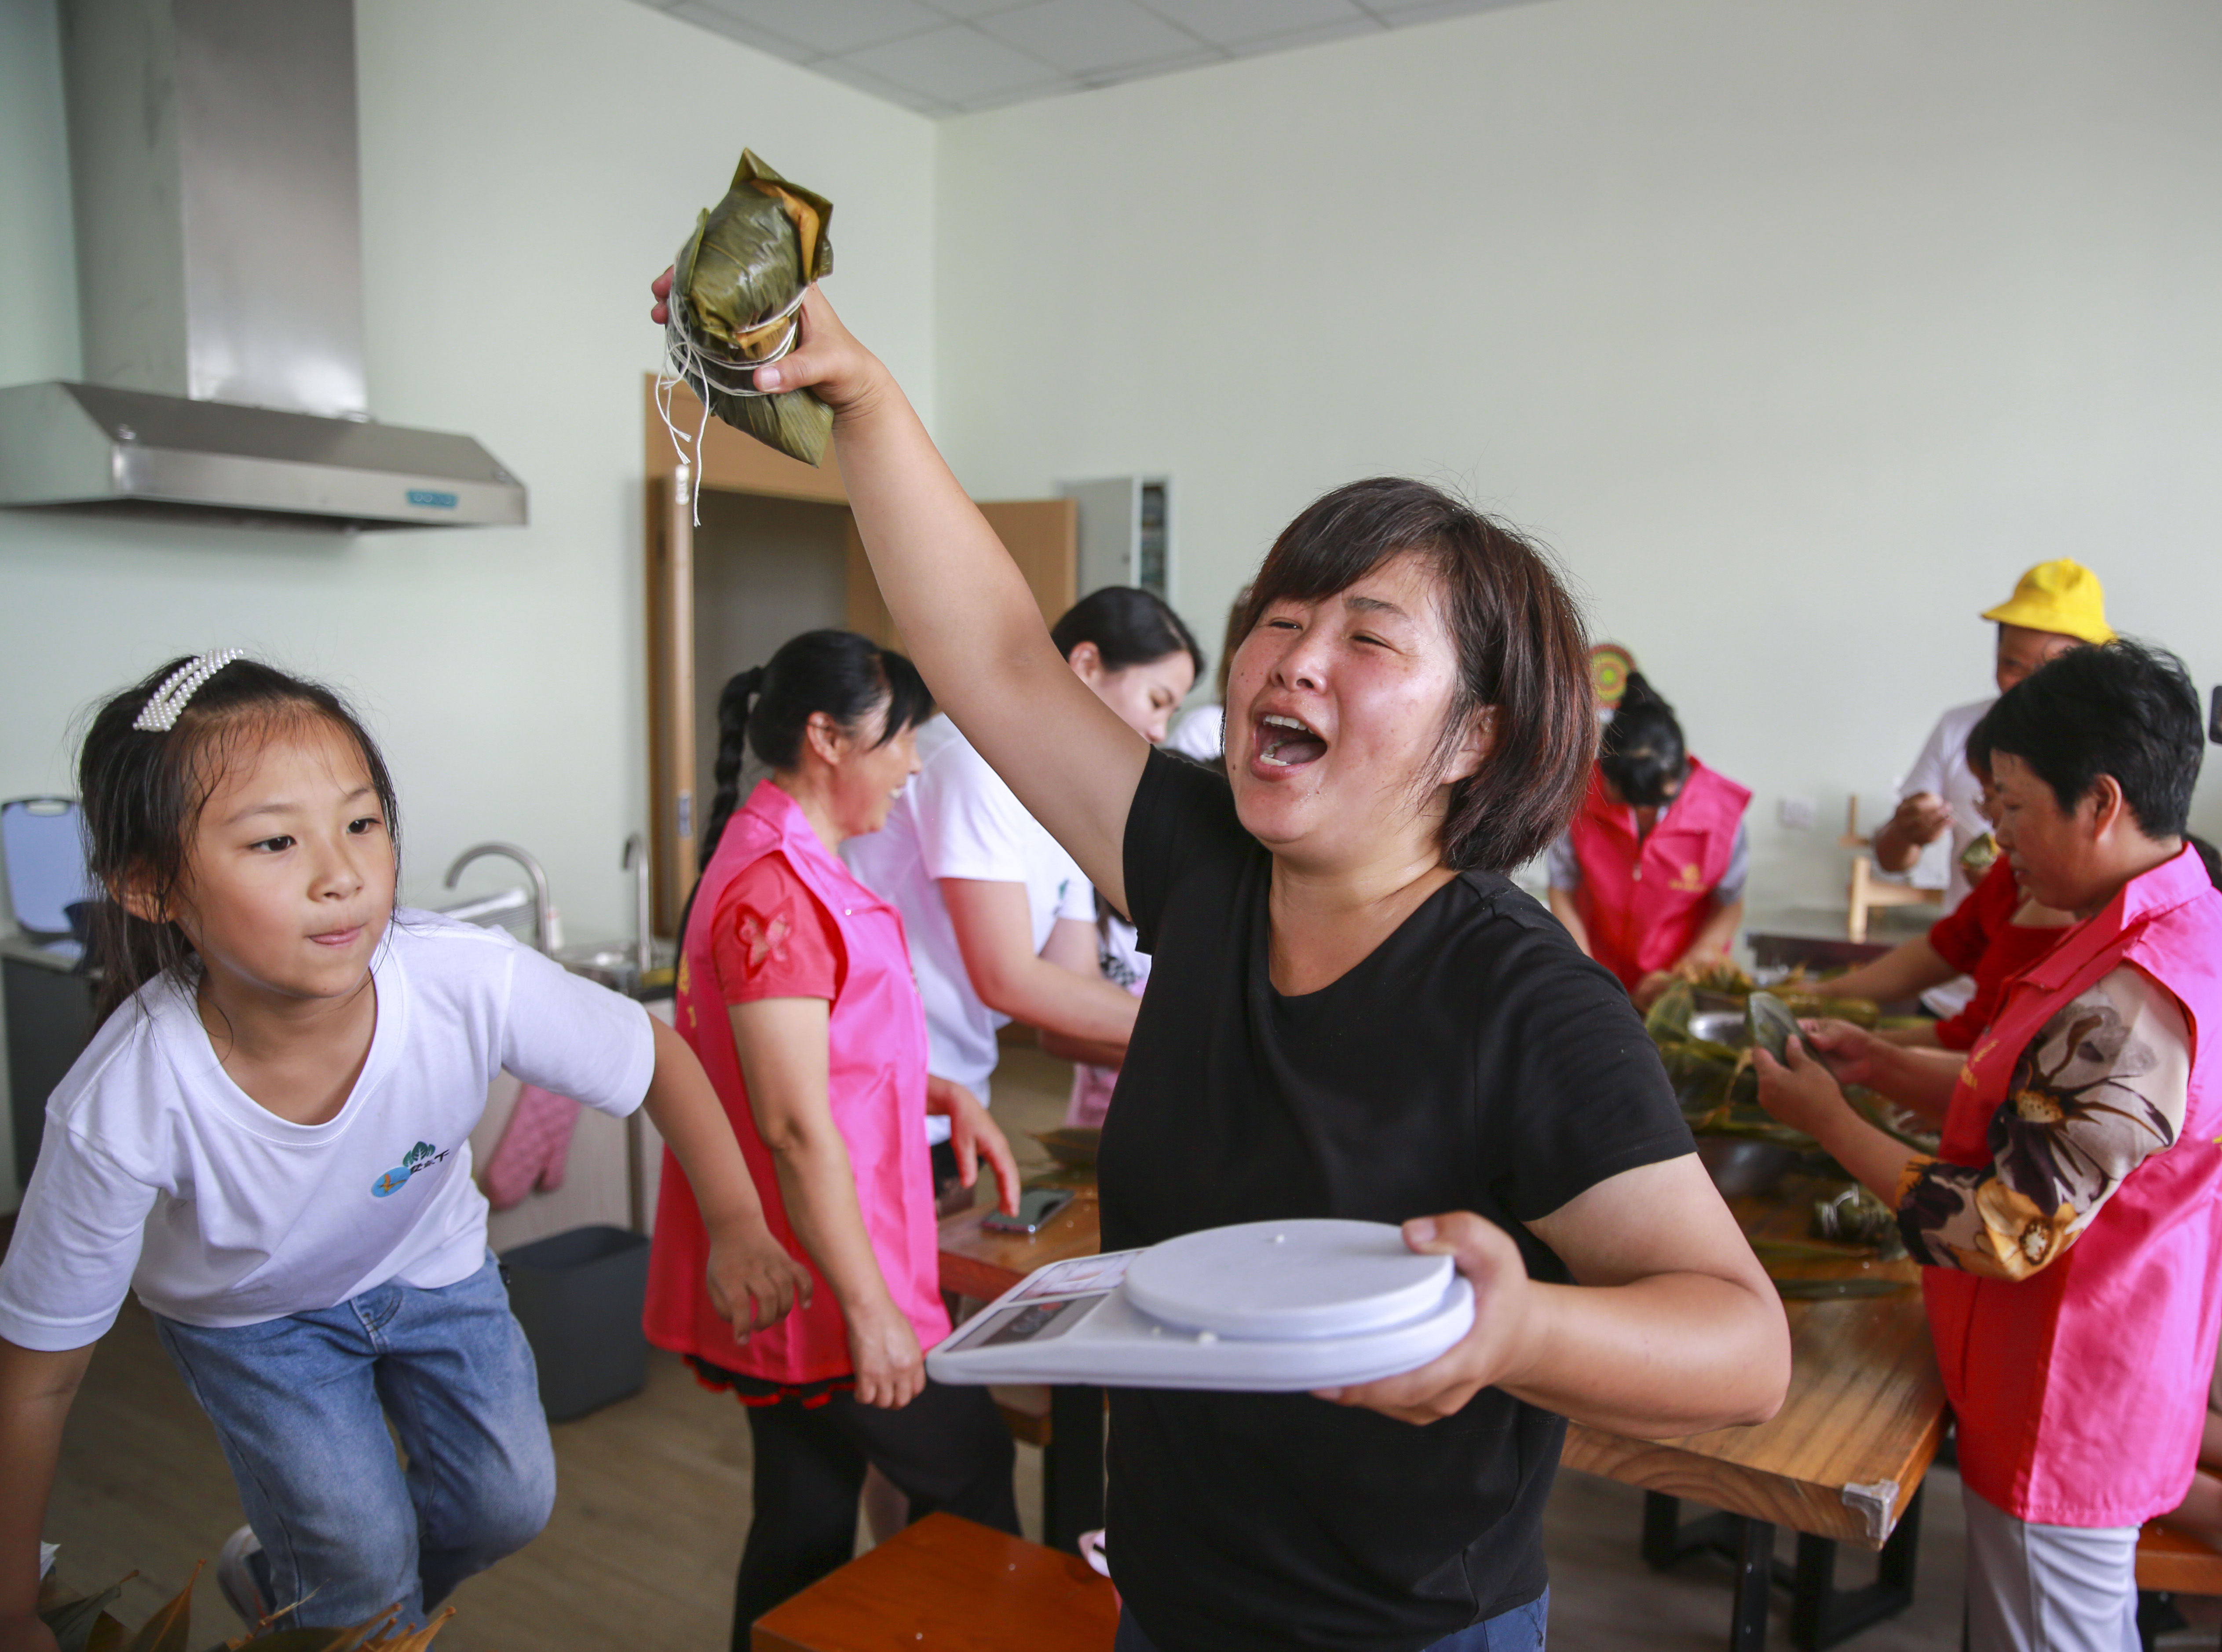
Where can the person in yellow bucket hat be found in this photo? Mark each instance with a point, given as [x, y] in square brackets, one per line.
[2055, 606]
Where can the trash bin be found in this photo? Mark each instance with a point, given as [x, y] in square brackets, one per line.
[579, 1295]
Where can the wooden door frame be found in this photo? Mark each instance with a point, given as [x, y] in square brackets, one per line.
[734, 463]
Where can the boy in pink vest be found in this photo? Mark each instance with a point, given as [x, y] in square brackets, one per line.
[2070, 1224]
[1650, 878]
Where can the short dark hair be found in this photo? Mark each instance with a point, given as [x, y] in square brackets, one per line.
[1642, 751]
[1522, 650]
[142, 792]
[2121, 709]
[1129, 627]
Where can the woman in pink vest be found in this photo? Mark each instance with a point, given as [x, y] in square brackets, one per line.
[795, 990]
[1650, 878]
[2071, 1226]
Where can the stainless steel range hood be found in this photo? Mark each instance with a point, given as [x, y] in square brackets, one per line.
[219, 242]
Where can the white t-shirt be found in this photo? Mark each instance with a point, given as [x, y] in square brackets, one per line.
[1941, 767]
[1201, 733]
[956, 819]
[158, 1174]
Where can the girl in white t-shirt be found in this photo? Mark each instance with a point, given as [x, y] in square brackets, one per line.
[267, 1139]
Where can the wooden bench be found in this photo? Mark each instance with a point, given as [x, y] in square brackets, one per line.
[945, 1585]
[2169, 1564]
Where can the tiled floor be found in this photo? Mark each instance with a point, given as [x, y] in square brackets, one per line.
[654, 1504]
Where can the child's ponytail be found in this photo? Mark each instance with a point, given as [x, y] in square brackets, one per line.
[766, 709]
[149, 763]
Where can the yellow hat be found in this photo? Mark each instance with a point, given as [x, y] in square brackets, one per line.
[2062, 596]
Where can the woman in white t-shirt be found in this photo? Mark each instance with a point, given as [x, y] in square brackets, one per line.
[1001, 922]
[267, 1140]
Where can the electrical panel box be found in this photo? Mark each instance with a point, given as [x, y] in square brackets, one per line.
[1126, 533]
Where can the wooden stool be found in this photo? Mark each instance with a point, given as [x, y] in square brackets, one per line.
[945, 1585]
[2169, 1563]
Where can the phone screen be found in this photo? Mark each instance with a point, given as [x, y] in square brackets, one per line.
[1036, 1206]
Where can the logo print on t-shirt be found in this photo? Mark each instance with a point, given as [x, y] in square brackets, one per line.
[765, 940]
[422, 1157]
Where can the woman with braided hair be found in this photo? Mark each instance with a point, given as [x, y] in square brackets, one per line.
[795, 989]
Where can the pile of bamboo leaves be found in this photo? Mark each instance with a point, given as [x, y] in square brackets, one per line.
[85, 1625]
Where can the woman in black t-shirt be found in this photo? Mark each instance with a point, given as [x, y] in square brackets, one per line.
[1351, 1013]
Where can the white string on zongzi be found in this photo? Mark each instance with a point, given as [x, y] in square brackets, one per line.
[703, 370]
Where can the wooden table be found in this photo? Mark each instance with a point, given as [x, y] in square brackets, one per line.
[1842, 1462]
[944, 1584]
[980, 1263]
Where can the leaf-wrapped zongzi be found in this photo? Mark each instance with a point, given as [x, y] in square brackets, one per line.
[736, 288]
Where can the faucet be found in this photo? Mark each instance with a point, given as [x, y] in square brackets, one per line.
[636, 862]
[543, 910]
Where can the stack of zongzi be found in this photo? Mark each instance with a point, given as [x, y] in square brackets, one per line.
[736, 288]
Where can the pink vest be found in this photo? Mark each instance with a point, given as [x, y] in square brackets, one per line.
[876, 1085]
[1642, 907]
[2081, 1390]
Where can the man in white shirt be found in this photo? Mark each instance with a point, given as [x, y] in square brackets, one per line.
[2056, 606]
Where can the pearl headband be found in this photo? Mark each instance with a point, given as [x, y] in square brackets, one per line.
[165, 705]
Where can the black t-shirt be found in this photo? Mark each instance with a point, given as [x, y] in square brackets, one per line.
[1475, 1061]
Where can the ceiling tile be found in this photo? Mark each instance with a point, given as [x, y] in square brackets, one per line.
[976, 8]
[945, 56]
[724, 22]
[1311, 36]
[1234, 22]
[1089, 37]
[846, 71]
[957, 63]
[1398, 13]
[825, 26]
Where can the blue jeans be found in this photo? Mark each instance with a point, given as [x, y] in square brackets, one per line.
[1520, 1630]
[301, 1405]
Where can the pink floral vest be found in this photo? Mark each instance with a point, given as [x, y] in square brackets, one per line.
[2080, 1389]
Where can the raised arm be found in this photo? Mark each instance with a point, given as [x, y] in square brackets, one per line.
[966, 615]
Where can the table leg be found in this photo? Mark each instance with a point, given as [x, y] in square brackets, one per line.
[1072, 1466]
[1822, 1615]
[1754, 1585]
[1748, 1544]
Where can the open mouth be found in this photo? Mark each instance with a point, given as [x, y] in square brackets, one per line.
[1286, 743]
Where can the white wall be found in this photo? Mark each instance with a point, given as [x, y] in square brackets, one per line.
[527, 166]
[1797, 329]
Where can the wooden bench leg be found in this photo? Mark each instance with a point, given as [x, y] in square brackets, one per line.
[1822, 1615]
[1072, 1466]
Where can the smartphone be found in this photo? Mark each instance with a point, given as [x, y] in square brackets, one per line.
[1036, 1206]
